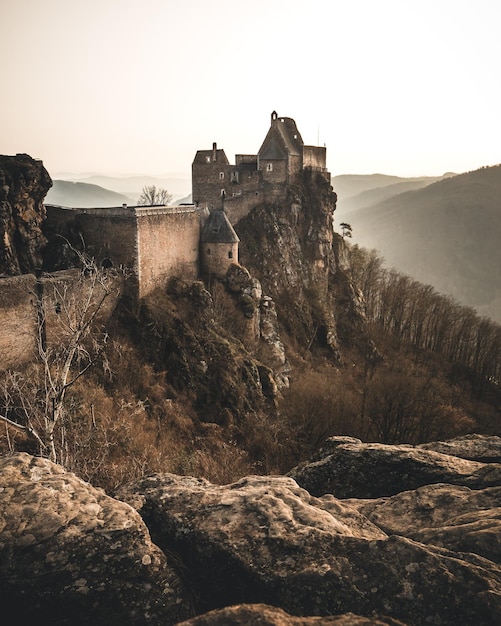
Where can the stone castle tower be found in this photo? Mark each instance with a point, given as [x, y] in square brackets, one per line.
[255, 178]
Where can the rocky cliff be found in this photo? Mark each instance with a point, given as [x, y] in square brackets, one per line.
[302, 263]
[24, 183]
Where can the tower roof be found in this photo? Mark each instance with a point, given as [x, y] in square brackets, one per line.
[283, 138]
[217, 229]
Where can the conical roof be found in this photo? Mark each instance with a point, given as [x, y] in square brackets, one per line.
[217, 229]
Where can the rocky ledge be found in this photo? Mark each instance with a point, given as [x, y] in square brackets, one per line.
[262, 550]
[24, 183]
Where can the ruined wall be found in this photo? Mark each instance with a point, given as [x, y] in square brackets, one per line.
[167, 244]
[315, 157]
[18, 320]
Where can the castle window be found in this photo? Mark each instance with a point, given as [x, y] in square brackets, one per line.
[221, 175]
[230, 254]
[208, 251]
[234, 177]
[207, 159]
[269, 167]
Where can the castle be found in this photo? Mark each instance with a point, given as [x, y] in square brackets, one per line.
[255, 178]
[198, 240]
[160, 242]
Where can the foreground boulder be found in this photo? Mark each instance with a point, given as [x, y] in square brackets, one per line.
[265, 615]
[265, 540]
[458, 518]
[352, 469]
[69, 554]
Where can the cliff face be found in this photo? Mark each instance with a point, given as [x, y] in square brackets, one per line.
[24, 183]
[292, 248]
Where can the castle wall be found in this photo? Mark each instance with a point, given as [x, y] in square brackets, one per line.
[167, 244]
[108, 234]
[315, 157]
[18, 320]
[217, 258]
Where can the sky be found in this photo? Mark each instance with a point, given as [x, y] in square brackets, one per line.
[123, 87]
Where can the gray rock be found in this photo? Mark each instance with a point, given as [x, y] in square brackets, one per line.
[265, 540]
[457, 518]
[69, 554]
[265, 615]
[484, 448]
[374, 470]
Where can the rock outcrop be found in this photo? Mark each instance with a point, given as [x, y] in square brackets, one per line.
[457, 518]
[265, 615]
[69, 554]
[265, 540]
[352, 469]
[24, 183]
[301, 262]
[259, 551]
[483, 448]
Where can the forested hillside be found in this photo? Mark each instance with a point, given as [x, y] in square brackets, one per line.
[446, 234]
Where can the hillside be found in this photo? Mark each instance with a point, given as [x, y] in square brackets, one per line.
[84, 195]
[357, 190]
[446, 234]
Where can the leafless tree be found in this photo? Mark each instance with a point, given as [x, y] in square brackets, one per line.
[71, 339]
[152, 195]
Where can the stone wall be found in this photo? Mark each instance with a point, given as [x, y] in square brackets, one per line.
[167, 244]
[154, 242]
[217, 258]
[315, 157]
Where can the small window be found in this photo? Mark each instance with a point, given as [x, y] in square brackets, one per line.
[230, 254]
[269, 167]
[207, 159]
[221, 175]
[208, 251]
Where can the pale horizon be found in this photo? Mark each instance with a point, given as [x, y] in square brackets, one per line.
[114, 88]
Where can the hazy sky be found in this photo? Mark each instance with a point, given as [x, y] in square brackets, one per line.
[402, 87]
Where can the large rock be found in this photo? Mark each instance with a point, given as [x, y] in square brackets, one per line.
[484, 448]
[457, 518]
[265, 540]
[24, 183]
[69, 554]
[372, 470]
[265, 615]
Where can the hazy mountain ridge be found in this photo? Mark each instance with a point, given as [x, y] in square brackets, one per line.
[84, 195]
[131, 186]
[446, 234]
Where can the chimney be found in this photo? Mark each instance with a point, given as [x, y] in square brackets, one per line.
[214, 151]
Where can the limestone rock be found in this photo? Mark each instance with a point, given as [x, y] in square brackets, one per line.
[373, 470]
[457, 518]
[266, 615]
[265, 540]
[484, 448]
[69, 554]
[24, 183]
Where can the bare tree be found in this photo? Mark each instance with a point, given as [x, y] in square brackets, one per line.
[71, 339]
[152, 195]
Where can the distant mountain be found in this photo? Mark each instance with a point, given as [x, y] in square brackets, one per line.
[178, 186]
[356, 191]
[447, 234]
[84, 195]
